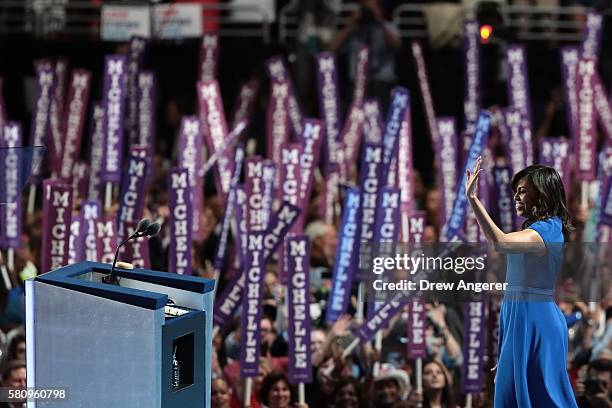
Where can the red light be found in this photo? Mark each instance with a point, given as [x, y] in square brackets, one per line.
[486, 31]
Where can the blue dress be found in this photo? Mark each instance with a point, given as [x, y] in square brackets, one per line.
[533, 340]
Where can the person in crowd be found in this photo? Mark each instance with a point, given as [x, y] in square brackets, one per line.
[594, 385]
[16, 348]
[220, 394]
[533, 335]
[437, 388]
[441, 343]
[14, 376]
[390, 386]
[347, 393]
[276, 392]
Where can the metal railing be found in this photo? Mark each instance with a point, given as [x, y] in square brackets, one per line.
[44, 18]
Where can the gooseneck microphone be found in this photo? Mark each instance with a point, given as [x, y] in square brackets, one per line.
[144, 229]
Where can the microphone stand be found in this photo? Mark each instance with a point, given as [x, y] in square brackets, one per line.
[111, 278]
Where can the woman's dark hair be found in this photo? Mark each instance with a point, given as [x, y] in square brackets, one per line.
[271, 379]
[347, 380]
[448, 398]
[551, 195]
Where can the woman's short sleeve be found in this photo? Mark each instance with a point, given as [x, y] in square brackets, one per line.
[550, 230]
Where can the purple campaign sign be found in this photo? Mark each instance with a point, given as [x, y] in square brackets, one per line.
[503, 202]
[400, 102]
[603, 109]
[190, 158]
[209, 57]
[379, 319]
[114, 107]
[421, 70]
[96, 152]
[214, 128]
[472, 377]
[290, 174]
[90, 212]
[277, 70]
[131, 199]
[329, 103]
[361, 76]
[417, 317]
[180, 225]
[591, 40]
[457, 217]
[311, 148]
[446, 153]
[416, 227]
[245, 103]
[298, 292]
[372, 125]
[267, 178]
[404, 166]
[78, 98]
[518, 93]
[10, 212]
[277, 129]
[56, 117]
[76, 248]
[569, 64]
[252, 308]
[136, 51]
[256, 212]
[146, 113]
[346, 257]
[555, 152]
[40, 113]
[516, 143]
[106, 238]
[350, 136]
[57, 213]
[586, 128]
[471, 98]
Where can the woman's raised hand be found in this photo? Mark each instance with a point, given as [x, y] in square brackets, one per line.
[471, 182]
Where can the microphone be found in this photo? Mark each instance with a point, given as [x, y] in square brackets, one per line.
[144, 229]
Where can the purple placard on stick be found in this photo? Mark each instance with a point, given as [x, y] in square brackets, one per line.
[586, 127]
[268, 176]
[503, 202]
[400, 102]
[131, 199]
[471, 99]
[96, 152]
[517, 145]
[57, 213]
[245, 103]
[350, 137]
[446, 153]
[346, 257]
[209, 57]
[417, 227]
[241, 223]
[555, 152]
[190, 158]
[136, 250]
[421, 71]
[298, 292]
[379, 319]
[404, 170]
[114, 106]
[252, 309]
[180, 225]
[10, 212]
[40, 113]
[473, 348]
[372, 125]
[106, 237]
[277, 70]
[74, 119]
[146, 112]
[91, 211]
[214, 128]
[457, 217]
[309, 161]
[370, 176]
[569, 64]
[277, 128]
[56, 117]
[329, 106]
[290, 174]
[135, 56]
[591, 35]
[254, 187]
[417, 316]
[76, 249]
[229, 208]
[361, 76]
[518, 93]
[603, 108]
[280, 224]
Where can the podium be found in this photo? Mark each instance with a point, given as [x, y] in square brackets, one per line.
[144, 343]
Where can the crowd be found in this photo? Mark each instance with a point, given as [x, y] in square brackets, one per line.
[367, 377]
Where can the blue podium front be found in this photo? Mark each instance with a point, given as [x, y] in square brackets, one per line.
[144, 343]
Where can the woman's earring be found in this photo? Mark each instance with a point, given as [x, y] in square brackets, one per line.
[534, 211]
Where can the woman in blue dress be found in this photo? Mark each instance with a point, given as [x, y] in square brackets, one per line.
[533, 339]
